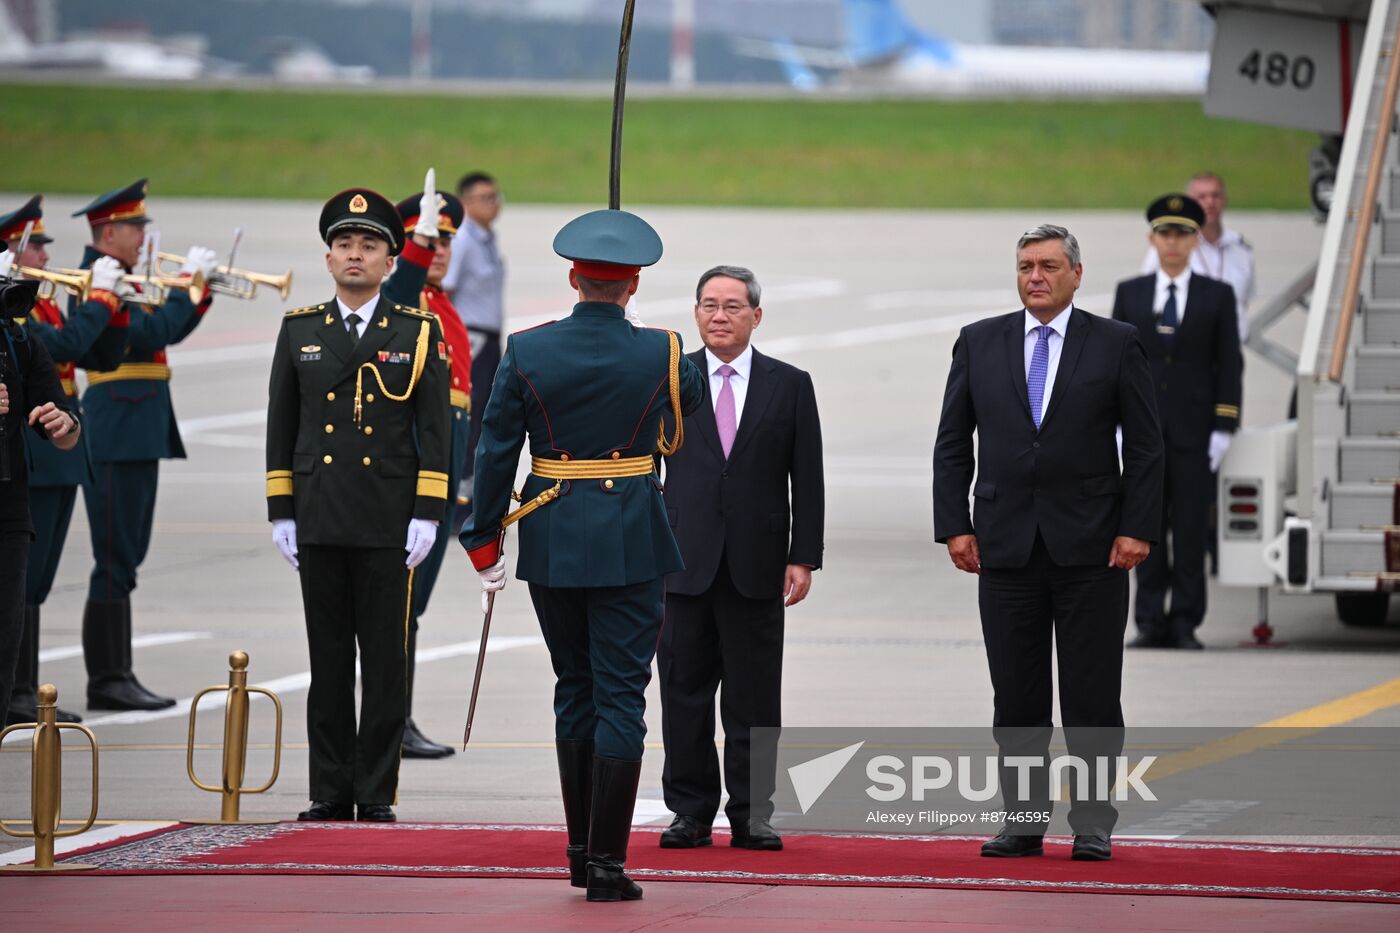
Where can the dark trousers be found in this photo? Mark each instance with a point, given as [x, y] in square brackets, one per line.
[601, 642]
[355, 596]
[719, 639]
[14, 557]
[1186, 504]
[121, 508]
[1085, 609]
[485, 359]
[426, 574]
[51, 508]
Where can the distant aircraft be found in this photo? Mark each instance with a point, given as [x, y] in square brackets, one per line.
[885, 51]
[135, 58]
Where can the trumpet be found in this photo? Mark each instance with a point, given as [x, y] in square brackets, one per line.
[239, 283]
[156, 288]
[73, 281]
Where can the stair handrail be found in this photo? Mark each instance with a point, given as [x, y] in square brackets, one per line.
[1351, 292]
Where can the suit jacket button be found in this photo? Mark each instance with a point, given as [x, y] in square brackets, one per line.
[327, 458]
[369, 430]
[365, 461]
[330, 396]
[607, 484]
[330, 429]
[1036, 445]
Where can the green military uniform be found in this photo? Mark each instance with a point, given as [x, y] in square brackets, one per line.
[357, 446]
[132, 428]
[588, 394]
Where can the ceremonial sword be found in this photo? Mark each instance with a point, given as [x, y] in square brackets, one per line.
[624, 48]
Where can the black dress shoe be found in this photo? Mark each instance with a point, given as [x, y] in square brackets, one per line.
[1148, 640]
[686, 832]
[417, 745]
[1006, 845]
[1188, 641]
[323, 811]
[124, 693]
[375, 813]
[1092, 847]
[757, 834]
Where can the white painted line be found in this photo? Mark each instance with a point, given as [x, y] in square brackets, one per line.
[92, 837]
[141, 641]
[296, 683]
[237, 353]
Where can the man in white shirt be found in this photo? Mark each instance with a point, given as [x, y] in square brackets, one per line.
[1220, 253]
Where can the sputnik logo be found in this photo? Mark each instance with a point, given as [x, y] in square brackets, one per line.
[811, 778]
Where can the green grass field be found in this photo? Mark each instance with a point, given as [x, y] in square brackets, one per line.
[798, 153]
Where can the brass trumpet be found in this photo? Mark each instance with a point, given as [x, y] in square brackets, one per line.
[74, 281]
[239, 283]
[155, 289]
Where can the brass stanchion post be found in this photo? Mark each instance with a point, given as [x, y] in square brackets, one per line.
[235, 742]
[46, 787]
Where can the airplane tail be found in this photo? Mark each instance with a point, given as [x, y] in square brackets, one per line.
[877, 30]
[14, 44]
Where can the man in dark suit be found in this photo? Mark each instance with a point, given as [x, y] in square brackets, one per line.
[749, 553]
[1187, 322]
[1056, 527]
[358, 446]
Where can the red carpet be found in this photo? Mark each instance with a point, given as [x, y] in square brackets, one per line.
[505, 851]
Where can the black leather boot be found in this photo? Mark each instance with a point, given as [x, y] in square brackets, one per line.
[415, 743]
[24, 704]
[576, 782]
[107, 651]
[609, 828]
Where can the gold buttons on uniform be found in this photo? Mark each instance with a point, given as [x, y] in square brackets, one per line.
[616, 454]
[607, 484]
[365, 461]
[369, 430]
[369, 397]
[327, 458]
[564, 457]
[330, 429]
[330, 396]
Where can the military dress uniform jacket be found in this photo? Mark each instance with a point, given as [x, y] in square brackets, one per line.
[94, 337]
[348, 481]
[1198, 382]
[129, 405]
[589, 387]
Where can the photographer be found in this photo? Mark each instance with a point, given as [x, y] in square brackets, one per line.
[30, 396]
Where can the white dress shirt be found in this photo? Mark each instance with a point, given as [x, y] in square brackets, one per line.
[738, 383]
[1058, 324]
[1159, 297]
[365, 311]
[1229, 259]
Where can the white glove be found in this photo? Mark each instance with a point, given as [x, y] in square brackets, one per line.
[422, 532]
[493, 580]
[284, 535]
[632, 317]
[149, 246]
[106, 273]
[428, 208]
[199, 259]
[1219, 443]
[7, 261]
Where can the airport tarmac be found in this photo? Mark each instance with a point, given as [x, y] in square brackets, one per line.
[868, 302]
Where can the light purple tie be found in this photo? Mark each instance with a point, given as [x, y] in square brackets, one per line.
[725, 420]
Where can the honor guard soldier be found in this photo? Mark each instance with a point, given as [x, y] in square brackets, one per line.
[132, 428]
[1189, 327]
[357, 458]
[588, 393]
[93, 336]
[437, 219]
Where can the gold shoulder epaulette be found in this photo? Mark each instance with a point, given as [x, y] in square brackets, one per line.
[414, 312]
[309, 309]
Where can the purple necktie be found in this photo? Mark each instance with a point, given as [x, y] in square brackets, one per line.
[725, 420]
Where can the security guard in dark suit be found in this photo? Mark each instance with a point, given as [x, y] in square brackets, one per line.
[132, 428]
[417, 280]
[94, 337]
[1189, 326]
[357, 456]
[595, 545]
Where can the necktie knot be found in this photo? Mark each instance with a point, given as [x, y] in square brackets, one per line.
[726, 370]
[1171, 288]
[352, 325]
[1044, 331]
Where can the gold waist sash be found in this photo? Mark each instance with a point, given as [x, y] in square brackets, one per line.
[560, 470]
[157, 371]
